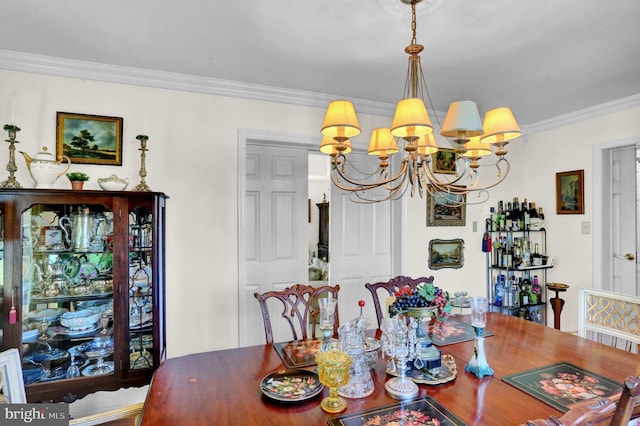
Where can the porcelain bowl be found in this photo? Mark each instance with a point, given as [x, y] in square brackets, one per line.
[113, 183]
[52, 358]
[79, 320]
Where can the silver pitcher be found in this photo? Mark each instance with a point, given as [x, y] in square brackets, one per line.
[82, 229]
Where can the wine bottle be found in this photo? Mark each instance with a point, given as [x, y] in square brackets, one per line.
[525, 286]
[498, 293]
[526, 216]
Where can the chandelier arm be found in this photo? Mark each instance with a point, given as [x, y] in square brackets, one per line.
[365, 185]
[432, 179]
[463, 190]
[345, 161]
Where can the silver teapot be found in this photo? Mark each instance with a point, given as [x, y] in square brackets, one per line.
[82, 228]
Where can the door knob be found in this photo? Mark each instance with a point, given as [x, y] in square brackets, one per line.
[628, 256]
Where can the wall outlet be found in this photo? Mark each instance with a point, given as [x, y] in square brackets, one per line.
[585, 228]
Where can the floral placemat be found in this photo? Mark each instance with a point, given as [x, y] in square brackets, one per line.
[455, 332]
[562, 385]
[425, 411]
[298, 353]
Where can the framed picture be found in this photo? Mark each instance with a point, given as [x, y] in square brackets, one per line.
[11, 381]
[446, 254]
[443, 161]
[89, 139]
[446, 209]
[570, 192]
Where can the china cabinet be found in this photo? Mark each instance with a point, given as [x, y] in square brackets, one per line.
[517, 265]
[82, 288]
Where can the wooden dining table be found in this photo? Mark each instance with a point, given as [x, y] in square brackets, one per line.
[223, 387]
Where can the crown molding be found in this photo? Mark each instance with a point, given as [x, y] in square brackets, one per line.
[583, 114]
[40, 64]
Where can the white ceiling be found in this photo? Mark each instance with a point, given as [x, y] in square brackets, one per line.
[543, 58]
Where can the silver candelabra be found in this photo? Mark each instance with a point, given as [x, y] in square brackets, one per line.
[400, 343]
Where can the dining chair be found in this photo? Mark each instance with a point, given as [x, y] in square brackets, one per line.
[299, 309]
[605, 313]
[391, 286]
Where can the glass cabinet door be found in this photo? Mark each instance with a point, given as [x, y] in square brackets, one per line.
[141, 289]
[67, 292]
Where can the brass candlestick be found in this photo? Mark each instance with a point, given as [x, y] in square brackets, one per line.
[142, 186]
[11, 181]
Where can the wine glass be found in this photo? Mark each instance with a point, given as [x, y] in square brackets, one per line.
[327, 312]
[333, 370]
[73, 370]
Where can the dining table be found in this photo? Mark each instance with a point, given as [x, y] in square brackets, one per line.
[223, 387]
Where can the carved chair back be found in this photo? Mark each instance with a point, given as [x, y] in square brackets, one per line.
[299, 309]
[391, 286]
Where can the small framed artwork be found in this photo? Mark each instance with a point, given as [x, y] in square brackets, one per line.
[570, 192]
[443, 161]
[446, 254]
[11, 381]
[89, 139]
[445, 209]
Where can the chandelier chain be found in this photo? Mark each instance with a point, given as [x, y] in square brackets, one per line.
[413, 21]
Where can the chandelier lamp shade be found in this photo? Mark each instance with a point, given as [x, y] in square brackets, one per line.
[412, 129]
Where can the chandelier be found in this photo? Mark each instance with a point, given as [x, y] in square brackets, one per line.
[411, 128]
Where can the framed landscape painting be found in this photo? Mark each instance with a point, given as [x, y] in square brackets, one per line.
[446, 254]
[89, 139]
[570, 192]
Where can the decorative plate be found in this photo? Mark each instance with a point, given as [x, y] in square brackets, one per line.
[443, 374]
[48, 314]
[91, 370]
[371, 344]
[291, 385]
[64, 331]
[30, 334]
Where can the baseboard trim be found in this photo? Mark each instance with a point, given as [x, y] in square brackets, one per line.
[108, 416]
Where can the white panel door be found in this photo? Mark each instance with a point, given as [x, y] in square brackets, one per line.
[623, 221]
[275, 230]
[360, 246]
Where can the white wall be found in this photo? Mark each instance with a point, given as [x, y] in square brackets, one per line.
[193, 158]
[536, 158]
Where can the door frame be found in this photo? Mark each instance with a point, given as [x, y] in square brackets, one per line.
[399, 240]
[601, 248]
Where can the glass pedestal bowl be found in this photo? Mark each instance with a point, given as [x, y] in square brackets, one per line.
[98, 349]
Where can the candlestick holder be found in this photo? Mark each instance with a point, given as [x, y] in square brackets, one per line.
[399, 341]
[478, 364]
[142, 186]
[11, 181]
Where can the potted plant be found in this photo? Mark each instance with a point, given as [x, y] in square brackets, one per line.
[77, 179]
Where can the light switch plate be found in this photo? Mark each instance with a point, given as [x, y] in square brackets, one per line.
[586, 227]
